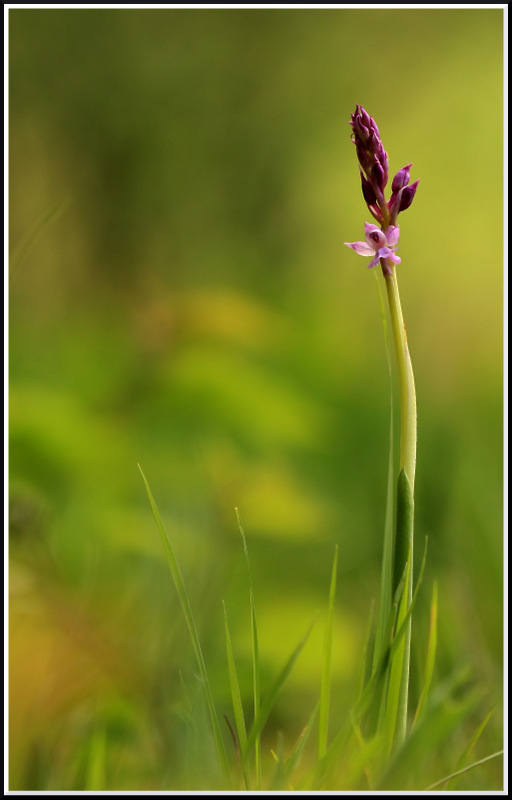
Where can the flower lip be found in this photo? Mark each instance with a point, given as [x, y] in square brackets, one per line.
[374, 237]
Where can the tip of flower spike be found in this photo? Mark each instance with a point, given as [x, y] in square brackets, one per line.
[373, 166]
[362, 117]
[373, 159]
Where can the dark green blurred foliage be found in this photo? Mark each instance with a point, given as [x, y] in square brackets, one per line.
[181, 185]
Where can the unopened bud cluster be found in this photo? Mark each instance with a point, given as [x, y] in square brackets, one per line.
[373, 166]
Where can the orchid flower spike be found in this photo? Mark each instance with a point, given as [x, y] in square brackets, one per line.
[378, 244]
[373, 167]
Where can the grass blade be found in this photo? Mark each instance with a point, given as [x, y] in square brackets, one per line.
[285, 768]
[398, 688]
[95, 778]
[444, 715]
[191, 624]
[236, 699]
[395, 715]
[364, 700]
[325, 689]
[465, 769]
[471, 745]
[268, 704]
[431, 657]
[255, 656]
[363, 667]
[404, 526]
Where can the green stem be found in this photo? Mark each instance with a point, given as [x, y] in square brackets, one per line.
[405, 380]
[403, 549]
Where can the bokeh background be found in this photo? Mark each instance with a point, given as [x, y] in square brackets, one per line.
[181, 185]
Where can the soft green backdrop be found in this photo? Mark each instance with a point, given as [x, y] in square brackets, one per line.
[181, 185]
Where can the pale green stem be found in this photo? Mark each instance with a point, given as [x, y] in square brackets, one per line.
[408, 437]
[405, 381]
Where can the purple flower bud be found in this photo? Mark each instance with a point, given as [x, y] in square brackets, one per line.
[363, 124]
[370, 198]
[368, 193]
[401, 178]
[378, 177]
[401, 198]
[361, 130]
[408, 193]
[373, 159]
[373, 168]
[365, 159]
[382, 158]
[394, 206]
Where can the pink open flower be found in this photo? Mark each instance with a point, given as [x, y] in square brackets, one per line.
[379, 244]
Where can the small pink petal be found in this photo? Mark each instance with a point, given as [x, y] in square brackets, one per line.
[361, 248]
[374, 236]
[392, 234]
[385, 252]
[376, 239]
[394, 258]
[369, 227]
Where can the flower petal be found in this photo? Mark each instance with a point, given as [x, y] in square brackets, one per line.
[385, 252]
[392, 234]
[374, 261]
[370, 227]
[374, 236]
[361, 248]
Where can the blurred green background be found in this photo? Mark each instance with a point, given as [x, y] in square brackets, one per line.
[181, 185]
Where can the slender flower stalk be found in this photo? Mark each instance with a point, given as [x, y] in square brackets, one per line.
[381, 244]
[408, 415]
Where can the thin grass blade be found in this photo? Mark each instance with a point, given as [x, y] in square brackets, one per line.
[236, 698]
[325, 688]
[443, 716]
[459, 772]
[404, 526]
[269, 702]
[394, 724]
[470, 747]
[395, 721]
[430, 658]
[192, 627]
[287, 767]
[255, 656]
[365, 699]
[363, 666]
[95, 778]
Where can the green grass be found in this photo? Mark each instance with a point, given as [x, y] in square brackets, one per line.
[194, 636]
[372, 758]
